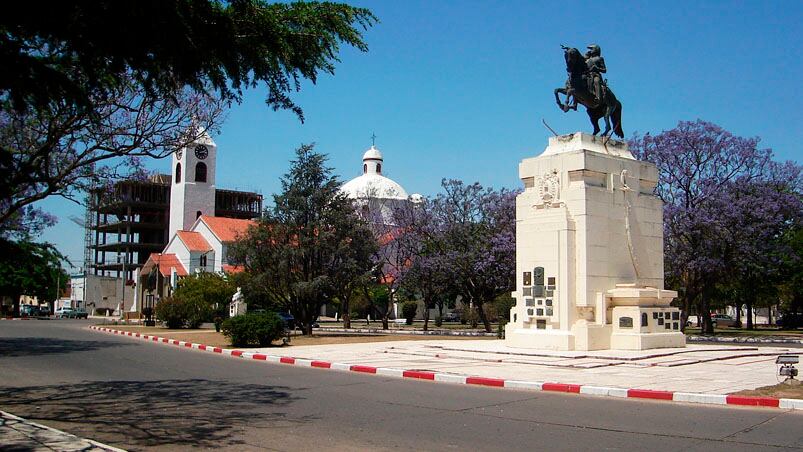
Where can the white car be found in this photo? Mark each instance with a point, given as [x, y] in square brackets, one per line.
[64, 313]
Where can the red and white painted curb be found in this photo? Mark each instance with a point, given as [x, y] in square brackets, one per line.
[687, 397]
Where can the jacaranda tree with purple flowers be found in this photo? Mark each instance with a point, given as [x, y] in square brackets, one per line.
[64, 150]
[471, 243]
[726, 206]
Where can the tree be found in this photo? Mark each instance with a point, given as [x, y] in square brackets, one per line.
[790, 286]
[208, 294]
[82, 101]
[701, 167]
[78, 51]
[755, 217]
[65, 150]
[474, 239]
[311, 244]
[427, 273]
[33, 269]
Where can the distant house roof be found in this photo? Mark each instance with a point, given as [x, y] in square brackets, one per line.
[233, 268]
[164, 262]
[194, 241]
[226, 229]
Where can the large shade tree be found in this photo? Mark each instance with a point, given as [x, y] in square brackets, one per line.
[310, 245]
[35, 270]
[724, 205]
[65, 150]
[73, 51]
[88, 89]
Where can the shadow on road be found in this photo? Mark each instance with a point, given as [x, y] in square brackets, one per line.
[34, 346]
[200, 413]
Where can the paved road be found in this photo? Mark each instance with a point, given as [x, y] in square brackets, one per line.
[138, 395]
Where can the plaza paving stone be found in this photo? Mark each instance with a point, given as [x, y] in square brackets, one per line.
[713, 369]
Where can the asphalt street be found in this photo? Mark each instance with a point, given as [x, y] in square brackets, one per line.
[139, 396]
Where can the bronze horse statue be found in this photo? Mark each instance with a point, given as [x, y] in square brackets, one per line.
[577, 91]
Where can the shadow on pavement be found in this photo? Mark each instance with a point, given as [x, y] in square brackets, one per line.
[34, 346]
[199, 413]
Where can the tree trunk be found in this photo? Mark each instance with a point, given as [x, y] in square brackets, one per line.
[684, 311]
[426, 315]
[749, 313]
[485, 322]
[15, 306]
[386, 314]
[738, 307]
[705, 312]
[345, 305]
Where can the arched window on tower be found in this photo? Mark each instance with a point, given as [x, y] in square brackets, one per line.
[200, 172]
[364, 168]
[178, 172]
[378, 168]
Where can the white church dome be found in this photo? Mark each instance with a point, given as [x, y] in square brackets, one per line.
[372, 184]
[372, 154]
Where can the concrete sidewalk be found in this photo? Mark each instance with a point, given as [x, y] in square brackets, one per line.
[710, 369]
[20, 434]
[706, 374]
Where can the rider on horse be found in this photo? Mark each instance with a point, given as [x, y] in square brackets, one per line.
[596, 67]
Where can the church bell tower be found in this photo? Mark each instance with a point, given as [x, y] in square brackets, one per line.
[192, 191]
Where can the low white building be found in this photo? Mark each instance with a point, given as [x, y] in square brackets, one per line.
[202, 248]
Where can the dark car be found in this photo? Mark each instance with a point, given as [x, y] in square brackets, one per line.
[790, 320]
[289, 320]
[29, 310]
[722, 320]
[79, 314]
[453, 316]
[44, 311]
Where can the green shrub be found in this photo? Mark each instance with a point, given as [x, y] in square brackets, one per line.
[438, 321]
[196, 312]
[409, 309]
[253, 329]
[180, 313]
[470, 316]
[171, 312]
[502, 305]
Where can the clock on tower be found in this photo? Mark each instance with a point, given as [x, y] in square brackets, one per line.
[201, 152]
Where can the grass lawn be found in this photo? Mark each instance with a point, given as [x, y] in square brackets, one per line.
[781, 391]
[750, 333]
[213, 339]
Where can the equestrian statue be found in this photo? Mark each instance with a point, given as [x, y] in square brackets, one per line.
[586, 86]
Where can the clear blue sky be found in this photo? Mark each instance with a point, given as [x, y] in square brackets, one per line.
[457, 89]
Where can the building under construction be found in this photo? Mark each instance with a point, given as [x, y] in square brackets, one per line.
[130, 220]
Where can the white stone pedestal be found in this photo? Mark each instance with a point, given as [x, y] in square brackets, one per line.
[589, 251]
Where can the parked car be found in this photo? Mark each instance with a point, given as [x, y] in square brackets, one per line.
[790, 320]
[451, 317]
[722, 320]
[79, 314]
[64, 313]
[29, 310]
[289, 320]
[44, 311]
